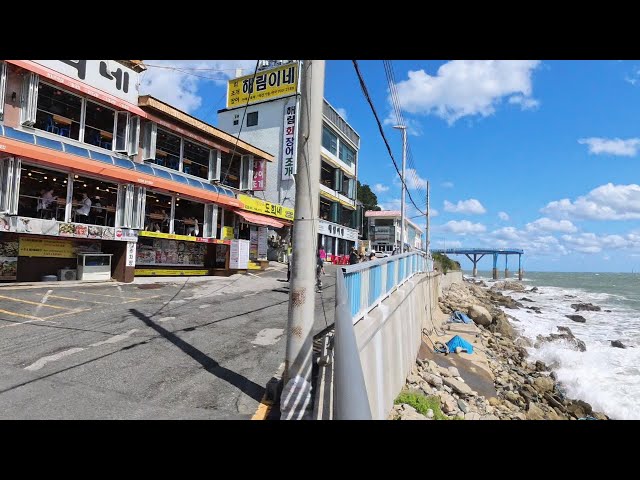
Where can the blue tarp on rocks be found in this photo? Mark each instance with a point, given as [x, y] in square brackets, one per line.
[458, 341]
[459, 317]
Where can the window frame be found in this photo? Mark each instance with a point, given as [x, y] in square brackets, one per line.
[246, 166]
[29, 99]
[333, 136]
[131, 206]
[3, 86]
[249, 115]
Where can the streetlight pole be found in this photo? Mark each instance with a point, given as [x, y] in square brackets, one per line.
[404, 164]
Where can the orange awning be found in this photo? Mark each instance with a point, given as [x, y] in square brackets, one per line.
[259, 219]
[76, 163]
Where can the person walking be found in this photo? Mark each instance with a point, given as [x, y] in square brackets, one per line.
[353, 256]
[289, 263]
[319, 271]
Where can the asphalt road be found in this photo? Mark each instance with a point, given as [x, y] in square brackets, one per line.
[179, 349]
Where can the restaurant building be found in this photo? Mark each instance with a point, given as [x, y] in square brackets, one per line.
[269, 122]
[385, 231]
[89, 167]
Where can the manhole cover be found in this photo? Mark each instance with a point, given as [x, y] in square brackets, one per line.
[150, 286]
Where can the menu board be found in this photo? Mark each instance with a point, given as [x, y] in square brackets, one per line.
[8, 260]
[262, 242]
[253, 245]
[239, 254]
[221, 256]
[160, 251]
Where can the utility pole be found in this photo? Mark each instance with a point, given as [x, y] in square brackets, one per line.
[427, 236]
[404, 164]
[295, 400]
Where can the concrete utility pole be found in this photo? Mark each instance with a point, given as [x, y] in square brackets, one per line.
[427, 236]
[295, 400]
[404, 164]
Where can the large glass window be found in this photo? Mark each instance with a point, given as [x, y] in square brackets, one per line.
[94, 201]
[325, 209]
[58, 111]
[346, 217]
[167, 150]
[195, 159]
[158, 212]
[189, 217]
[327, 175]
[98, 125]
[230, 170]
[329, 140]
[347, 154]
[43, 193]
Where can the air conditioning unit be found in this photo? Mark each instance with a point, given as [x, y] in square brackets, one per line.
[66, 274]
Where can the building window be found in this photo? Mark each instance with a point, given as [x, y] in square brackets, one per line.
[327, 175]
[130, 211]
[158, 213]
[167, 150]
[230, 170]
[246, 172]
[58, 111]
[252, 119]
[236, 121]
[43, 193]
[99, 122]
[189, 217]
[325, 209]
[347, 154]
[195, 159]
[329, 140]
[94, 201]
[3, 85]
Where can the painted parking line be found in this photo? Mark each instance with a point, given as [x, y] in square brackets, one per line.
[35, 303]
[22, 315]
[70, 312]
[79, 299]
[105, 295]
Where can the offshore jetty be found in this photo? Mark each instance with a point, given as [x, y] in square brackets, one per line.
[496, 381]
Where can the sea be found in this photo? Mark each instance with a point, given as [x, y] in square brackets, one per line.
[608, 378]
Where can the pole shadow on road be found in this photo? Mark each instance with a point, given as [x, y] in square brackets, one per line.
[243, 384]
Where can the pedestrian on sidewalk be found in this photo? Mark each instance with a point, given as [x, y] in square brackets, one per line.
[319, 271]
[289, 266]
[353, 257]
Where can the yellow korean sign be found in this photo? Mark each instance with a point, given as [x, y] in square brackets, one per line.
[227, 233]
[169, 236]
[267, 85]
[166, 273]
[265, 208]
[42, 247]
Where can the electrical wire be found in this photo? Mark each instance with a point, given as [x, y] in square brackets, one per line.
[365, 91]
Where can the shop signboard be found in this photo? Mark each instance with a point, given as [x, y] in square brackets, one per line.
[289, 147]
[266, 85]
[253, 245]
[44, 247]
[227, 233]
[55, 228]
[131, 254]
[256, 205]
[8, 260]
[259, 175]
[335, 230]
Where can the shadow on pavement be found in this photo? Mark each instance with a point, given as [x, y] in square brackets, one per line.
[243, 384]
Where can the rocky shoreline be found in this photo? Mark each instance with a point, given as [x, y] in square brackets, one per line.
[525, 390]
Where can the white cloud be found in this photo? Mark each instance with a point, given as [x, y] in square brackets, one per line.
[527, 103]
[467, 87]
[547, 225]
[503, 216]
[463, 227]
[413, 180]
[413, 127]
[450, 243]
[380, 188]
[615, 146]
[447, 184]
[180, 87]
[606, 202]
[434, 213]
[393, 204]
[471, 206]
[342, 112]
[507, 233]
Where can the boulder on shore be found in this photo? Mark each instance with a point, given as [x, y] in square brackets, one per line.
[565, 335]
[589, 307]
[618, 344]
[479, 315]
[577, 318]
[509, 285]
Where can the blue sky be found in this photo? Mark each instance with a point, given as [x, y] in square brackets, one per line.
[539, 155]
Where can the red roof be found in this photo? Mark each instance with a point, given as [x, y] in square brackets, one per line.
[382, 213]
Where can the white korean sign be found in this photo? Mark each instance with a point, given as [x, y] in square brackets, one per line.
[239, 254]
[335, 230]
[131, 254]
[262, 242]
[107, 75]
[289, 147]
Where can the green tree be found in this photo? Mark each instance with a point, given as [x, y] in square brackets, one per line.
[367, 197]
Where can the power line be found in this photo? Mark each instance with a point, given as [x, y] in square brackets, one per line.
[365, 91]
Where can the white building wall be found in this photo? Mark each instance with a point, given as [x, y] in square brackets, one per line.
[267, 135]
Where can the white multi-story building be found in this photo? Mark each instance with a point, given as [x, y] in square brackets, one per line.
[266, 125]
[385, 231]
